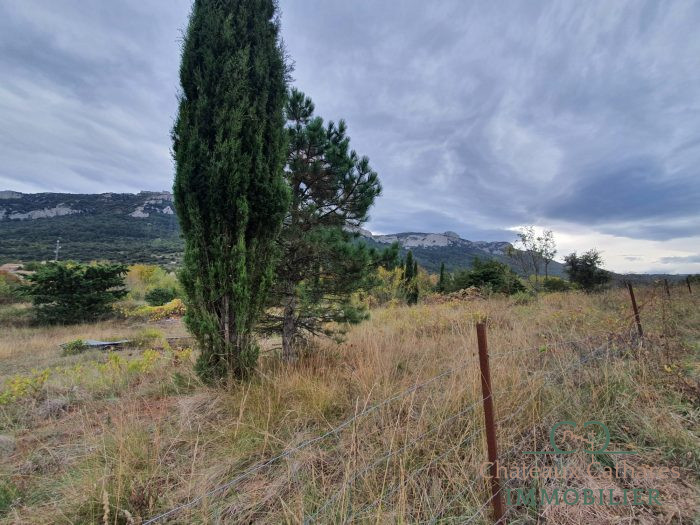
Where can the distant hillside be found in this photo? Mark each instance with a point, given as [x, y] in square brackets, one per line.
[143, 228]
[432, 249]
[117, 226]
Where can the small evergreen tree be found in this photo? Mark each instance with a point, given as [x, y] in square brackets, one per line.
[410, 285]
[332, 189]
[442, 281]
[230, 196]
[408, 268]
[585, 270]
[69, 292]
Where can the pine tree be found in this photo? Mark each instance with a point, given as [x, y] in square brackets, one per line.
[332, 189]
[230, 195]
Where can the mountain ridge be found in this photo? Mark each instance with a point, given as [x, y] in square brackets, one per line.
[142, 227]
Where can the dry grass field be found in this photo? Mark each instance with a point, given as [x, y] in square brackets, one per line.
[386, 427]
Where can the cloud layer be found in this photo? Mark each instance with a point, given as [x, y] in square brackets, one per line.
[481, 116]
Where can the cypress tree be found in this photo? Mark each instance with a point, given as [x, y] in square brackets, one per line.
[442, 285]
[230, 195]
[408, 268]
[410, 284]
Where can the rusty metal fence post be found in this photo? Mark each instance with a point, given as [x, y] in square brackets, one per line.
[491, 444]
[636, 310]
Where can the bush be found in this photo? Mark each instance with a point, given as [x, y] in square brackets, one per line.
[144, 278]
[10, 288]
[585, 270]
[490, 275]
[175, 308]
[522, 298]
[147, 337]
[75, 347]
[556, 284]
[160, 296]
[69, 292]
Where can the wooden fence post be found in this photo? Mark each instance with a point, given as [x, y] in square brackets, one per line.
[491, 444]
[668, 290]
[687, 281]
[636, 310]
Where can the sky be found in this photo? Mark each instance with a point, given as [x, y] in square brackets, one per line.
[480, 117]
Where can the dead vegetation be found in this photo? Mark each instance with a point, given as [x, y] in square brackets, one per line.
[119, 440]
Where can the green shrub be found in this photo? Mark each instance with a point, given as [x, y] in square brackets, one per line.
[556, 284]
[31, 266]
[160, 296]
[70, 292]
[143, 278]
[75, 347]
[585, 270]
[488, 275]
[523, 297]
[10, 289]
[147, 338]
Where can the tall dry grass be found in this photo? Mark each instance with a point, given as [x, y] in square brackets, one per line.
[164, 439]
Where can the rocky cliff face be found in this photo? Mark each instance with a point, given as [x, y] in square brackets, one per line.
[15, 206]
[142, 227]
[412, 240]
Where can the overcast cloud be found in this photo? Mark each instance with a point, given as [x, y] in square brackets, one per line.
[479, 116]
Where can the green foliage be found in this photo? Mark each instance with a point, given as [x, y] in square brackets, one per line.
[102, 230]
[585, 271]
[523, 297]
[230, 196]
[490, 275]
[142, 278]
[10, 289]
[442, 280]
[75, 347]
[409, 268]
[175, 308]
[8, 494]
[410, 287]
[556, 284]
[71, 292]
[531, 252]
[148, 337]
[160, 296]
[322, 265]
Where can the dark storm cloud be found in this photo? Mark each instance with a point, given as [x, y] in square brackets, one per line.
[674, 260]
[88, 94]
[478, 116]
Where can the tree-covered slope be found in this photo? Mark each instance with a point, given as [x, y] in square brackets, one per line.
[125, 227]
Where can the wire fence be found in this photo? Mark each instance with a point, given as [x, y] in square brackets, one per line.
[601, 350]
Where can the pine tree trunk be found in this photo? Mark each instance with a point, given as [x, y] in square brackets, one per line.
[289, 328]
